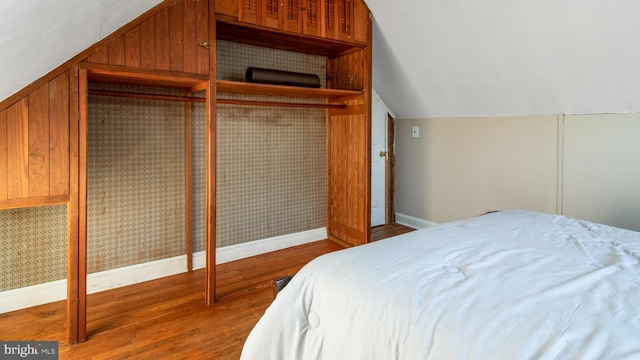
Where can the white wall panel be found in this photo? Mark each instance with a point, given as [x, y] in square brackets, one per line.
[462, 167]
[601, 180]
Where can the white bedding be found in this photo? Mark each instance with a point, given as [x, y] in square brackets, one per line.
[507, 285]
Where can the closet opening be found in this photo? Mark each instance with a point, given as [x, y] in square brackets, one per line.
[270, 150]
[143, 189]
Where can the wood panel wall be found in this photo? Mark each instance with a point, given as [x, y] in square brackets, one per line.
[41, 161]
[348, 205]
[349, 150]
[346, 72]
[361, 28]
[176, 38]
[34, 158]
[34, 128]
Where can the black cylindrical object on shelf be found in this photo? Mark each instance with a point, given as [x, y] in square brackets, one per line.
[277, 77]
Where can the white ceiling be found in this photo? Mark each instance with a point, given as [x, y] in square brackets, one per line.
[446, 58]
[432, 58]
[37, 36]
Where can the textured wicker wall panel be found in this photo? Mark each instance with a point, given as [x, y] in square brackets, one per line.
[32, 246]
[271, 161]
[136, 180]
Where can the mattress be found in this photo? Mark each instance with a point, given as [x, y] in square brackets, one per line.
[507, 285]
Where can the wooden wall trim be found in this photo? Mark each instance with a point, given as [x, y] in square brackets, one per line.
[33, 201]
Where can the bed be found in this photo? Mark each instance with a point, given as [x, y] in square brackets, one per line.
[506, 285]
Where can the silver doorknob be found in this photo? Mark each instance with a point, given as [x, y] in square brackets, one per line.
[383, 153]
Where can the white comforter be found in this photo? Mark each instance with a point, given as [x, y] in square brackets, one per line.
[507, 285]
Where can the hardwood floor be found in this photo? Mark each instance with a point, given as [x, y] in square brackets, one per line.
[167, 318]
[386, 231]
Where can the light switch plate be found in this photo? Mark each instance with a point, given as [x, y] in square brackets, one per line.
[415, 131]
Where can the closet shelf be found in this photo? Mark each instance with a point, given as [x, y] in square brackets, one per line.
[237, 87]
[136, 76]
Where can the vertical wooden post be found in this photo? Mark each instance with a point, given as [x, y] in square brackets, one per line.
[82, 205]
[76, 209]
[72, 212]
[210, 282]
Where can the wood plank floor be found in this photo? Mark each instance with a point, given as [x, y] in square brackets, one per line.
[386, 231]
[167, 318]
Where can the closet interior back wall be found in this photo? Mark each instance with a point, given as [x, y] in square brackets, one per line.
[136, 178]
[271, 161]
[33, 246]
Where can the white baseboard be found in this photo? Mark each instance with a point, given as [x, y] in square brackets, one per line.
[413, 222]
[29, 296]
[253, 248]
[129, 275]
[35, 295]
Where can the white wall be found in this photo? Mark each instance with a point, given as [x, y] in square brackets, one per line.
[581, 166]
[602, 168]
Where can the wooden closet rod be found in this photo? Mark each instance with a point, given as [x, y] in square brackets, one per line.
[220, 101]
[146, 96]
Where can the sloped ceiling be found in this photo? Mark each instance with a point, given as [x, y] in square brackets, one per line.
[37, 36]
[446, 58]
[432, 58]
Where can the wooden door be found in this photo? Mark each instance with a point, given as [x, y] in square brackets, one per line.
[292, 16]
[312, 17]
[345, 20]
[272, 13]
[250, 11]
[330, 19]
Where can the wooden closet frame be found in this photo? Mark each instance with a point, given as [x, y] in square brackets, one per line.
[348, 116]
[77, 252]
